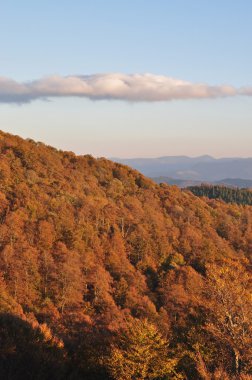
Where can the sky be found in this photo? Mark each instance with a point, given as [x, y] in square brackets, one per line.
[135, 78]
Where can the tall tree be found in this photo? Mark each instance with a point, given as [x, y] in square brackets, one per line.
[142, 353]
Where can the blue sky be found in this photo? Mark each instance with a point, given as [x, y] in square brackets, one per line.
[198, 41]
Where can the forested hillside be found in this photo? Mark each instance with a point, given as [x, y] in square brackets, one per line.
[106, 275]
[228, 194]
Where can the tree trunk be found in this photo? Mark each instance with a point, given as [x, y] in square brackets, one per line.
[237, 361]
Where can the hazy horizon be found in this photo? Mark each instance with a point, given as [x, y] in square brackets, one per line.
[182, 155]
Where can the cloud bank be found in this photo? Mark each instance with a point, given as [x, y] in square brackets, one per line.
[117, 86]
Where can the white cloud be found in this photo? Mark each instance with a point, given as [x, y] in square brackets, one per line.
[134, 88]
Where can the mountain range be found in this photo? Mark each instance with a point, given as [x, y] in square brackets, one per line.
[200, 169]
[183, 183]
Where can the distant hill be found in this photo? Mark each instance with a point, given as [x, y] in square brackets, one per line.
[230, 182]
[203, 168]
[227, 194]
[178, 182]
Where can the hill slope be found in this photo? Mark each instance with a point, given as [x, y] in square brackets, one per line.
[88, 244]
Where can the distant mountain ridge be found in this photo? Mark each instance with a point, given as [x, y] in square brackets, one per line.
[202, 168]
[229, 182]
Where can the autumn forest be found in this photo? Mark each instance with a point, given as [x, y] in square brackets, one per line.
[106, 275]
